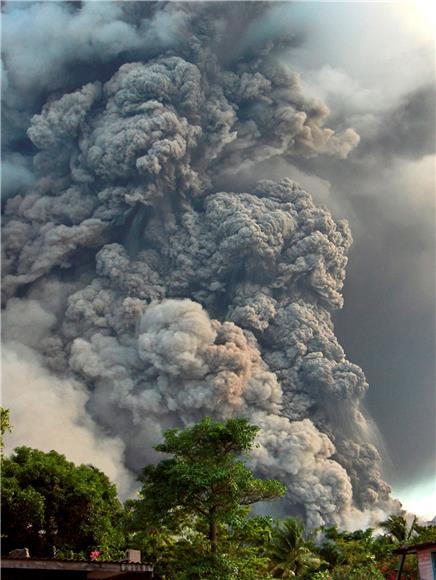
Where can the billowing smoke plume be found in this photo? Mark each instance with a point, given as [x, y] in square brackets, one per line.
[138, 295]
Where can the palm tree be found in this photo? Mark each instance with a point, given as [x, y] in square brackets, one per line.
[397, 528]
[290, 550]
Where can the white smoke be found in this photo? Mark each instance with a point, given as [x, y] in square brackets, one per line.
[50, 413]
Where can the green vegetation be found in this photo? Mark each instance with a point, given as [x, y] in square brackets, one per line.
[200, 493]
[192, 517]
[291, 551]
[5, 425]
[398, 530]
[51, 505]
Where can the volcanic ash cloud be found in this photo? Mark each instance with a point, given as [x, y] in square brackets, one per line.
[152, 298]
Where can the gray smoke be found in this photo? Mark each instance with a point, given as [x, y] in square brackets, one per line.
[132, 279]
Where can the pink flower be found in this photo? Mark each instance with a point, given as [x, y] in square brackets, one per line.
[94, 555]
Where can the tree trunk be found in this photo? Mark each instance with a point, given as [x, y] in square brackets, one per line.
[400, 569]
[212, 532]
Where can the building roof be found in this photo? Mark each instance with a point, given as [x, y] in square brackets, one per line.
[413, 548]
[93, 569]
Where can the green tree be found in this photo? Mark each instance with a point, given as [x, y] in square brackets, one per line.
[200, 491]
[246, 541]
[291, 551]
[398, 529]
[351, 555]
[5, 425]
[50, 505]
[425, 534]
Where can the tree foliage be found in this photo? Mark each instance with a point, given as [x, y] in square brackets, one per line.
[398, 529]
[291, 550]
[206, 477]
[50, 504]
[362, 555]
[349, 554]
[192, 519]
[200, 494]
[5, 425]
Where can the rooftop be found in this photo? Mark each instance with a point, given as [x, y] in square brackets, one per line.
[48, 568]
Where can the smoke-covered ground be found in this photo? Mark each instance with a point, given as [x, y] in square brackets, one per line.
[145, 284]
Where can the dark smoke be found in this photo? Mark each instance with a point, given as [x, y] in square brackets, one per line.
[137, 293]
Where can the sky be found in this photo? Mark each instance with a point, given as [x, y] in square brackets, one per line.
[373, 64]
